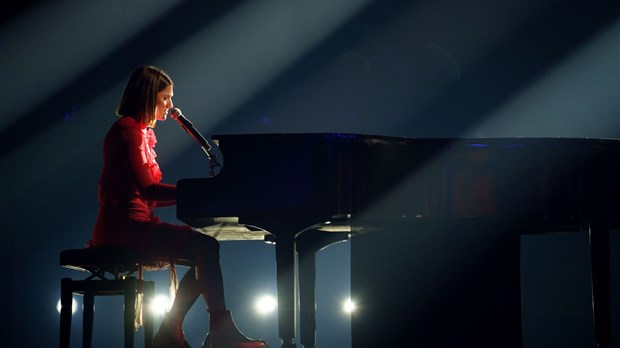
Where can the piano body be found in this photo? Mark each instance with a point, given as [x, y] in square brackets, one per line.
[310, 190]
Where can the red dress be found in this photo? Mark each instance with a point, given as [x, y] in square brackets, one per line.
[130, 187]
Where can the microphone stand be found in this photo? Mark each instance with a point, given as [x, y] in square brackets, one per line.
[213, 160]
[176, 114]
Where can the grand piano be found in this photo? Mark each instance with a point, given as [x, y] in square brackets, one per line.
[311, 190]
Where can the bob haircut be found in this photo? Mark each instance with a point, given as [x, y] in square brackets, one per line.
[139, 98]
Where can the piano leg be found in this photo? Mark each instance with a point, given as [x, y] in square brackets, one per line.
[601, 297]
[285, 277]
[308, 243]
[285, 228]
[307, 301]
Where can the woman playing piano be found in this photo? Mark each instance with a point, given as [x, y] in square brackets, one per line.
[130, 188]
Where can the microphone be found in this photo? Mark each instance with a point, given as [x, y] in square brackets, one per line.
[176, 114]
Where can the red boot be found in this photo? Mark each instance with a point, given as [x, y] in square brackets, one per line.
[225, 334]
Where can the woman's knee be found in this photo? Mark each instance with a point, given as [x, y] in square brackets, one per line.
[205, 245]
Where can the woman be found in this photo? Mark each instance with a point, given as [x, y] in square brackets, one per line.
[130, 188]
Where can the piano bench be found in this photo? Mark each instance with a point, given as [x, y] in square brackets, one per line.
[110, 271]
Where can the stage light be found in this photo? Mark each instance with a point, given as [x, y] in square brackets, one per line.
[266, 304]
[348, 306]
[160, 305]
[73, 306]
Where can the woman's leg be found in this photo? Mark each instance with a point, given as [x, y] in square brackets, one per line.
[209, 275]
[180, 242]
[204, 278]
[187, 293]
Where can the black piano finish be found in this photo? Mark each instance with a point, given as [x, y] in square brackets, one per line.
[285, 183]
[279, 173]
[329, 174]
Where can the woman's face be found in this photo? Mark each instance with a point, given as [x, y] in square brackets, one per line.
[164, 102]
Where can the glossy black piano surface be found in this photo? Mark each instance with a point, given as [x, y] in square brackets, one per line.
[329, 174]
[285, 183]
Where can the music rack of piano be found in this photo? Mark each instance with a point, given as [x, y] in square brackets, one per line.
[306, 191]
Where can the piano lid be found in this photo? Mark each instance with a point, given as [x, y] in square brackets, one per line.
[325, 174]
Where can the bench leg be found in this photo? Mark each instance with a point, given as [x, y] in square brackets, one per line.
[87, 320]
[66, 301]
[148, 289]
[128, 287]
[130, 310]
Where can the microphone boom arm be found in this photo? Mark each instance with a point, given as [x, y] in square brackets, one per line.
[191, 130]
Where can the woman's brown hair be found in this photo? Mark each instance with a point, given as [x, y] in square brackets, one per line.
[139, 98]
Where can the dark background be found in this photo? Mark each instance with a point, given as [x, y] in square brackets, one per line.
[446, 68]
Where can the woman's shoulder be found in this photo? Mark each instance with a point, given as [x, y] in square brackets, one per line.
[130, 123]
[126, 128]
